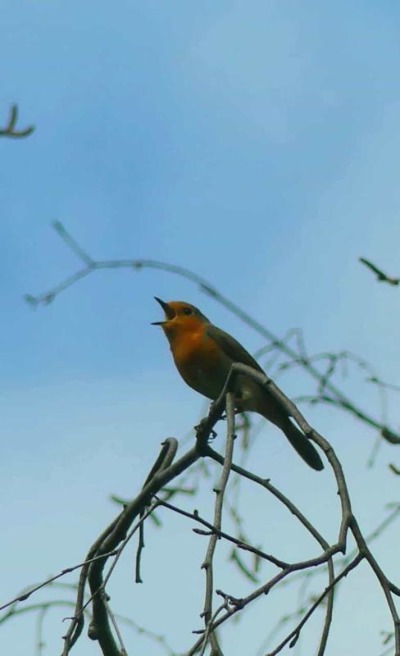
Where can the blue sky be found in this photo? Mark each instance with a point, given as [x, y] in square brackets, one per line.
[255, 144]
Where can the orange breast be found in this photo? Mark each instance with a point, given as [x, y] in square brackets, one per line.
[200, 361]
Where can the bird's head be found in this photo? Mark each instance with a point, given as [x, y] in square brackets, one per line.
[179, 316]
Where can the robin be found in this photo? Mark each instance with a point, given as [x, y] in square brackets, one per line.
[204, 354]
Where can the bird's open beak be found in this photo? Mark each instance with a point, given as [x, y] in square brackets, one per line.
[169, 312]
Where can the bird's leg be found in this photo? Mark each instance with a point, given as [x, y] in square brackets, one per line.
[211, 410]
[238, 409]
[238, 399]
[201, 426]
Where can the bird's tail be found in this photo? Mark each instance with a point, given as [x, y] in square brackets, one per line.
[302, 445]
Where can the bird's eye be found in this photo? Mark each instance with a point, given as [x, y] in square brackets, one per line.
[187, 311]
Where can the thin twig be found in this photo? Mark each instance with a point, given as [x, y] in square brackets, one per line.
[294, 635]
[381, 276]
[222, 534]
[238, 604]
[23, 596]
[122, 650]
[10, 131]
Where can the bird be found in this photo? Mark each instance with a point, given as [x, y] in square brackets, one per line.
[204, 354]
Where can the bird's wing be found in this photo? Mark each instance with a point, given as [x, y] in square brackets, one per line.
[231, 347]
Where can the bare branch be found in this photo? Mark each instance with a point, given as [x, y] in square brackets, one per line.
[219, 490]
[381, 276]
[10, 131]
[222, 534]
[294, 635]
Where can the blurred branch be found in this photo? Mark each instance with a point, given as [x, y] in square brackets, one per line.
[332, 394]
[381, 276]
[10, 130]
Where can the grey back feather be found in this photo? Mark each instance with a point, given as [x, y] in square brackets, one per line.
[232, 347]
